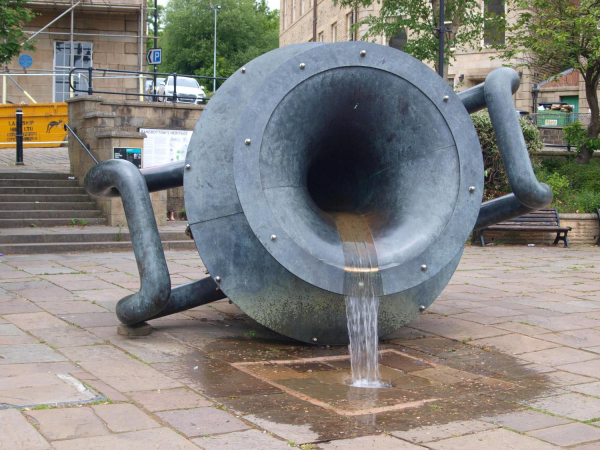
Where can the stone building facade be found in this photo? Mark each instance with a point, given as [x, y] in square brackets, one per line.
[470, 68]
[105, 34]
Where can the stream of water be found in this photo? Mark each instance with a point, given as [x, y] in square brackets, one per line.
[362, 303]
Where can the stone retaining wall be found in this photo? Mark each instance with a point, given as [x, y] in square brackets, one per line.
[585, 231]
[103, 124]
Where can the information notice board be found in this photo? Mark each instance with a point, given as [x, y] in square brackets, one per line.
[164, 146]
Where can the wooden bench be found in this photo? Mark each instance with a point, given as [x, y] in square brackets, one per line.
[543, 220]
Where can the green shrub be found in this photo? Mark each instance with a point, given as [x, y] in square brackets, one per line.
[496, 182]
[559, 184]
[586, 201]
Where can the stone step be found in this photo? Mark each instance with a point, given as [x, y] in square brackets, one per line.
[75, 235]
[35, 175]
[11, 198]
[32, 223]
[86, 247]
[25, 182]
[42, 190]
[31, 206]
[50, 214]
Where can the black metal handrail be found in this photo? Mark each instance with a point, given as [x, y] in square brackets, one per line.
[67, 127]
[90, 79]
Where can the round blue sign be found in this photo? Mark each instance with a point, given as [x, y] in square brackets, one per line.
[25, 61]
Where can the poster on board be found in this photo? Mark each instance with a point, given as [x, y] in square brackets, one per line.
[133, 155]
[164, 146]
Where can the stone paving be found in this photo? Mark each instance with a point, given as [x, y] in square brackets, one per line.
[55, 159]
[507, 358]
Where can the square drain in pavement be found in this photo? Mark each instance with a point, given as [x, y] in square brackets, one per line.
[325, 382]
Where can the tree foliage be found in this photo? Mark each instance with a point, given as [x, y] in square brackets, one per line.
[558, 34]
[14, 14]
[150, 22]
[245, 29]
[419, 19]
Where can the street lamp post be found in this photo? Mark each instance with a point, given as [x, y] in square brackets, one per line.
[215, 9]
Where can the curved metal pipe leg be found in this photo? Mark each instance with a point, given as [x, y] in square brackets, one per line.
[528, 193]
[155, 289]
[190, 295]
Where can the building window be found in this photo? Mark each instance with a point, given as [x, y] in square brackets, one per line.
[82, 58]
[334, 32]
[451, 82]
[350, 22]
[321, 37]
[491, 34]
[399, 41]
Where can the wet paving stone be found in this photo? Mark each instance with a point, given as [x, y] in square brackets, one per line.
[169, 399]
[200, 421]
[515, 334]
[526, 420]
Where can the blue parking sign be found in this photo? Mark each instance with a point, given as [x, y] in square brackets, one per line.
[154, 56]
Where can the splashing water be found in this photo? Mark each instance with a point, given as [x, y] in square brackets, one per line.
[362, 303]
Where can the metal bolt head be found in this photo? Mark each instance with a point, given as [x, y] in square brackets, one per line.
[421, 308]
[423, 267]
[217, 278]
[363, 53]
[314, 339]
[302, 66]
[446, 98]
[471, 188]
[188, 167]
[247, 142]
[273, 237]
[243, 70]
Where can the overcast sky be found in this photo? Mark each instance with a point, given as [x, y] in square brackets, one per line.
[273, 4]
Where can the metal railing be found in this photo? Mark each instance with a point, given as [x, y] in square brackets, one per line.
[91, 75]
[68, 128]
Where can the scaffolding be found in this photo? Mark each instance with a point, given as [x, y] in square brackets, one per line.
[70, 8]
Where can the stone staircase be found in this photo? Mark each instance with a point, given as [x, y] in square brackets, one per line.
[48, 212]
[45, 199]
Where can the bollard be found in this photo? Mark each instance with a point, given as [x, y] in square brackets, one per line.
[19, 136]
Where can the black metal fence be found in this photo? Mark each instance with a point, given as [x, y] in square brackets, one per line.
[91, 73]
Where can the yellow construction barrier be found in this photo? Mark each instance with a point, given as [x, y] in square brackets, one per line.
[42, 124]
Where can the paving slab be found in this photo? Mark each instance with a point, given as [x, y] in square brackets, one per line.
[156, 439]
[169, 399]
[437, 432]
[558, 356]
[380, 442]
[568, 435]
[10, 335]
[526, 420]
[587, 368]
[498, 439]
[242, 440]
[514, 344]
[126, 417]
[18, 434]
[200, 421]
[67, 423]
[28, 353]
[572, 405]
[118, 370]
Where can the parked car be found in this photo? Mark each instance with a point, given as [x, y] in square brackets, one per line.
[188, 90]
[149, 85]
